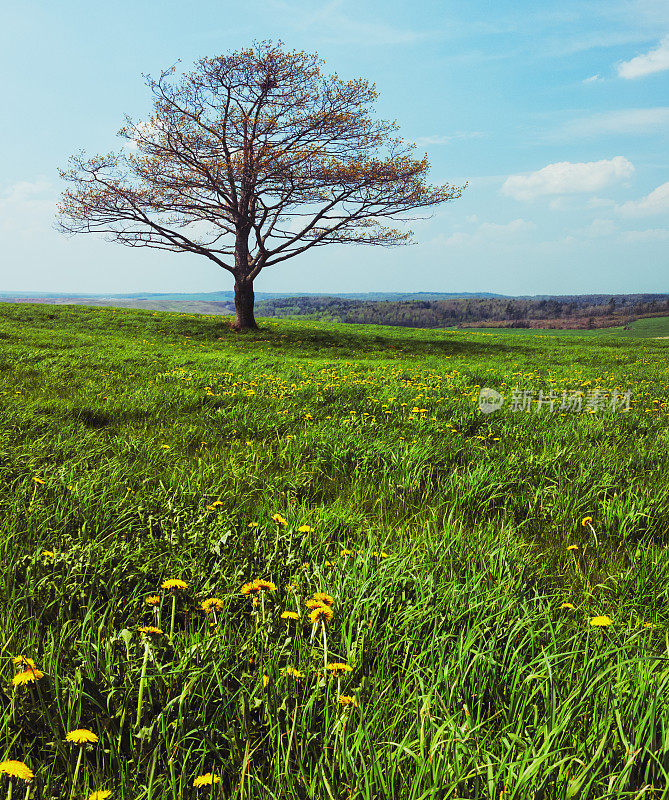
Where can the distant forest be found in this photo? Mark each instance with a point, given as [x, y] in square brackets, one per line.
[422, 310]
[568, 311]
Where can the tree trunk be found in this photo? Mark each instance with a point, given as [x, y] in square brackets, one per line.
[244, 300]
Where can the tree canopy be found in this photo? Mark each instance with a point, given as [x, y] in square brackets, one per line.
[250, 159]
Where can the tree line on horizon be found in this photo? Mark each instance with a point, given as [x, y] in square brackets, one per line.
[582, 311]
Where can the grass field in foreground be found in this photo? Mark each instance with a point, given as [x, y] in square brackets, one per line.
[140, 447]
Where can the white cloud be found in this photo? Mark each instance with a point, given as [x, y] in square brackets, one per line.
[592, 79]
[600, 202]
[656, 60]
[566, 177]
[27, 207]
[486, 233]
[334, 24]
[424, 141]
[628, 121]
[651, 235]
[495, 230]
[657, 202]
[599, 228]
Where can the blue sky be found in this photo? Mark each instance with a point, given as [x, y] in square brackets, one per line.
[556, 113]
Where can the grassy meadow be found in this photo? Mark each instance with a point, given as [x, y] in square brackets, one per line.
[464, 557]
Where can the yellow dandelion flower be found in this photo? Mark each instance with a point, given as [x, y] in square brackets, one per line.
[566, 605]
[26, 676]
[205, 780]
[152, 600]
[17, 769]
[149, 630]
[211, 604]
[338, 666]
[252, 525]
[292, 672]
[82, 736]
[328, 564]
[290, 615]
[585, 521]
[266, 586]
[572, 547]
[322, 614]
[345, 553]
[24, 663]
[323, 598]
[265, 680]
[250, 588]
[601, 622]
[101, 794]
[347, 700]
[48, 553]
[305, 529]
[649, 625]
[313, 604]
[39, 480]
[175, 584]
[280, 520]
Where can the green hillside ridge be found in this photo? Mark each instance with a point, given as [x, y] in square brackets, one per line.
[418, 310]
[139, 447]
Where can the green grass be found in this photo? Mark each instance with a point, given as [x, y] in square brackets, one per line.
[649, 326]
[138, 447]
[646, 327]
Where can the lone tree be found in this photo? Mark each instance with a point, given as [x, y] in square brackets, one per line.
[252, 158]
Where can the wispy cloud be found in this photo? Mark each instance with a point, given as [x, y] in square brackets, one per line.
[565, 177]
[426, 141]
[656, 202]
[335, 25]
[599, 228]
[628, 121]
[27, 206]
[593, 79]
[656, 60]
[651, 235]
[486, 233]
